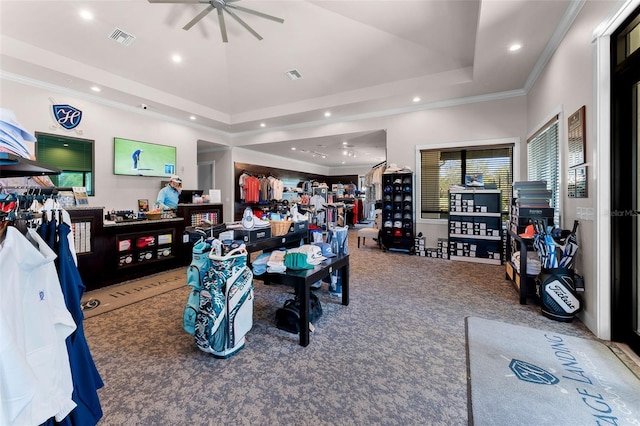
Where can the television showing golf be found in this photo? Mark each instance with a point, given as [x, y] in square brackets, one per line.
[135, 158]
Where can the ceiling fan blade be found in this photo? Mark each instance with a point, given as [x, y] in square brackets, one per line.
[255, 12]
[223, 27]
[244, 24]
[198, 17]
[177, 1]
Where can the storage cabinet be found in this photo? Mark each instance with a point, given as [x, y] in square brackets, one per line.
[397, 212]
[145, 247]
[475, 226]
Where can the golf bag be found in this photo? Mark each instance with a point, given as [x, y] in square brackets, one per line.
[338, 238]
[196, 273]
[557, 293]
[225, 308]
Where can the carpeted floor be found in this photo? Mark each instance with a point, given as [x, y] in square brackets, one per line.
[394, 356]
[547, 378]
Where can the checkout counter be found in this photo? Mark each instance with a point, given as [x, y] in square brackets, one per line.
[113, 251]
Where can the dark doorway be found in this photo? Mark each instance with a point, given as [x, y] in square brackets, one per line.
[625, 229]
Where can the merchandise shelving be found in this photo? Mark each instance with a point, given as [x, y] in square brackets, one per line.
[519, 219]
[475, 225]
[397, 212]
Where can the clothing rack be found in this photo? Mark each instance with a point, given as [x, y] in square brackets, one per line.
[383, 163]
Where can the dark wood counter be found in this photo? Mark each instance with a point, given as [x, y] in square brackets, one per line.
[113, 252]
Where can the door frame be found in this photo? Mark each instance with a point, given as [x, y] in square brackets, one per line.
[602, 167]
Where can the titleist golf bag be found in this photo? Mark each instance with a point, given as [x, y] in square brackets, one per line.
[557, 294]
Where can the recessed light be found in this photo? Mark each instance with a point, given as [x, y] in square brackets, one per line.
[95, 88]
[327, 114]
[344, 142]
[86, 15]
[416, 99]
[263, 125]
[176, 58]
[193, 117]
[293, 148]
[515, 47]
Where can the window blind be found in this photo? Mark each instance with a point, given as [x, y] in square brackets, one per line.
[543, 160]
[67, 154]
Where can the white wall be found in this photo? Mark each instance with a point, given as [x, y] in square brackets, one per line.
[566, 84]
[101, 123]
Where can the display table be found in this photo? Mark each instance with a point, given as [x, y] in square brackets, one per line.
[302, 280]
[288, 240]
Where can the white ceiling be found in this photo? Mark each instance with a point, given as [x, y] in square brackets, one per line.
[356, 57]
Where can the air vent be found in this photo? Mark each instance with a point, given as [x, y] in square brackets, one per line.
[293, 74]
[121, 37]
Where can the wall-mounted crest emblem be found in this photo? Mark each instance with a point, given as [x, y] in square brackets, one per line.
[66, 116]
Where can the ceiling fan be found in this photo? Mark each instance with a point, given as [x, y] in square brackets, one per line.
[222, 6]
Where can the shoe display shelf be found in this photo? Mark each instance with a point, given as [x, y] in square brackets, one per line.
[397, 232]
[475, 226]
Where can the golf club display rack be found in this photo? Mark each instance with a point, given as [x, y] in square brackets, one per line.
[475, 225]
[519, 219]
[397, 212]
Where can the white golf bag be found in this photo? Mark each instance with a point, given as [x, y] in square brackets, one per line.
[225, 308]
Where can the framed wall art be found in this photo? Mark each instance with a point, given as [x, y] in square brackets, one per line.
[577, 142]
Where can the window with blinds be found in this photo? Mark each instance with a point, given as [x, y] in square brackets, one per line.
[440, 169]
[74, 156]
[543, 161]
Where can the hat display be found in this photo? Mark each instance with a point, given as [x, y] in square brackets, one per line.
[176, 178]
[392, 168]
[312, 252]
[326, 249]
[397, 224]
[529, 232]
[388, 224]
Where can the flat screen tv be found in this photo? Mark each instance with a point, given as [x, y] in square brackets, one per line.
[135, 158]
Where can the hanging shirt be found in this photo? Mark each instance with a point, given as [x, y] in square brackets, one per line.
[85, 375]
[34, 323]
[252, 189]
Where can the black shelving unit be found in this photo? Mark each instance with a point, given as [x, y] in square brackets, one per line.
[475, 225]
[397, 212]
[519, 219]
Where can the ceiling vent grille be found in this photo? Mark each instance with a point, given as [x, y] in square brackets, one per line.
[121, 37]
[293, 74]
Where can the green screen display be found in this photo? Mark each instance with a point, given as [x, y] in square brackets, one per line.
[135, 158]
